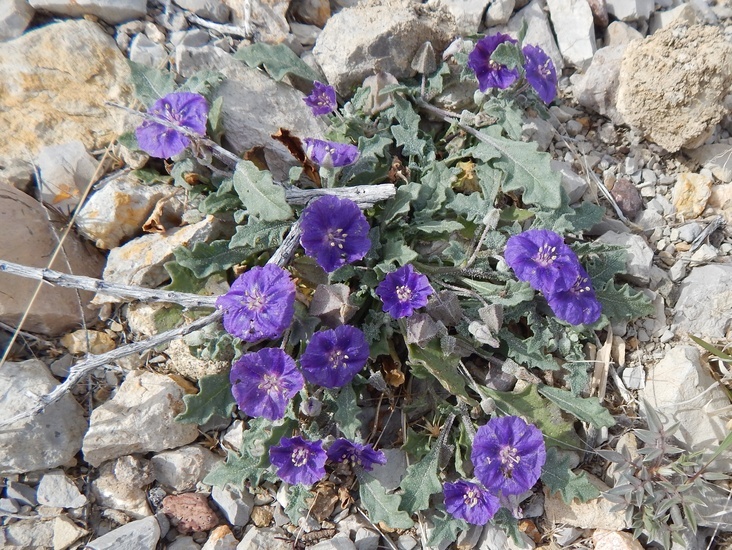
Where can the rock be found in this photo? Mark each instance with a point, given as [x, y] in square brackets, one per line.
[538, 32]
[182, 361]
[599, 13]
[66, 172]
[120, 486]
[381, 34]
[620, 34]
[673, 85]
[221, 538]
[705, 253]
[468, 14]
[704, 303]
[264, 538]
[50, 438]
[339, 542]
[118, 210]
[640, 256]
[494, 537]
[597, 89]
[28, 534]
[720, 201]
[684, 14]
[22, 493]
[367, 539]
[499, 12]
[19, 174]
[314, 12]
[55, 310]
[190, 512]
[679, 389]
[390, 474]
[593, 514]
[215, 10]
[14, 18]
[55, 489]
[184, 543]
[716, 157]
[145, 51]
[142, 534]
[66, 533]
[538, 131]
[265, 18]
[630, 10]
[690, 231]
[138, 419]
[111, 11]
[181, 469]
[234, 503]
[614, 540]
[88, 341]
[574, 184]
[307, 35]
[140, 262]
[55, 81]
[628, 197]
[575, 30]
[691, 193]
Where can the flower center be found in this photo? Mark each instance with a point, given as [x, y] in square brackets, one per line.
[254, 301]
[300, 457]
[494, 66]
[336, 237]
[471, 497]
[509, 458]
[271, 384]
[404, 293]
[581, 285]
[544, 70]
[337, 359]
[546, 255]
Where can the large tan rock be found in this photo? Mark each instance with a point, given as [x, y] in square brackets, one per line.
[28, 239]
[54, 82]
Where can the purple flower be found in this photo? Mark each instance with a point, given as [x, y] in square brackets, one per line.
[330, 154]
[333, 357]
[322, 100]
[260, 304]
[184, 109]
[403, 291]
[334, 232]
[470, 501]
[508, 455]
[540, 73]
[578, 304]
[263, 382]
[298, 460]
[343, 450]
[491, 74]
[540, 257]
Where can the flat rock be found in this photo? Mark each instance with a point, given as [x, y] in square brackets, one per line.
[236, 504]
[264, 538]
[673, 85]
[468, 14]
[146, 52]
[597, 89]
[56, 489]
[339, 542]
[54, 82]
[215, 10]
[56, 310]
[630, 10]
[182, 361]
[111, 11]
[142, 534]
[221, 538]
[539, 31]
[684, 14]
[640, 256]
[716, 157]
[614, 540]
[52, 437]
[573, 184]
[28, 534]
[66, 171]
[593, 514]
[499, 12]
[14, 18]
[120, 486]
[620, 34]
[181, 469]
[574, 27]
[184, 543]
[691, 193]
[378, 34]
[138, 419]
[704, 302]
[679, 389]
[66, 532]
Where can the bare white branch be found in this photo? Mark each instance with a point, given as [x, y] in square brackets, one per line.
[365, 196]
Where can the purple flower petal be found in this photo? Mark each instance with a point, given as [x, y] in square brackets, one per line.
[343, 450]
[298, 460]
[470, 501]
[260, 304]
[540, 73]
[403, 291]
[489, 73]
[330, 154]
[322, 100]
[263, 382]
[333, 357]
[184, 109]
[578, 304]
[508, 455]
[540, 257]
[334, 232]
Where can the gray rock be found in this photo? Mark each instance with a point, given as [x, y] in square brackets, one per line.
[575, 30]
[307, 35]
[234, 503]
[499, 12]
[56, 489]
[111, 11]
[690, 231]
[50, 438]
[383, 34]
[265, 18]
[184, 543]
[145, 51]
[406, 542]
[390, 474]
[339, 542]
[630, 10]
[634, 378]
[194, 38]
[181, 469]
[468, 14]
[182, 361]
[138, 419]
[264, 538]
[66, 532]
[140, 261]
[716, 157]
[706, 253]
[9, 506]
[216, 10]
[539, 31]
[66, 171]
[494, 537]
[14, 18]
[221, 538]
[28, 534]
[704, 302]
[367, 539]
[679, 389]
[593, 514]
[620, 34]
[120, 486]
[142, 534]
[21, 492]
[539, 131]
[574, 184]
[597, 89]
[684, 14]
[640, 255]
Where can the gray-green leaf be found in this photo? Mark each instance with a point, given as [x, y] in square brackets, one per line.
[420, 482]
[380, 505]
[150, 84]
[587, 409]
[262, 198]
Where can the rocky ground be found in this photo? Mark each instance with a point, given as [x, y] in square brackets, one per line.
[94, 468]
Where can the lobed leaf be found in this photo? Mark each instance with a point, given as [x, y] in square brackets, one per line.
[380, 505]
[586, 409]
[214, 398]
[421, 482]
[263, 199]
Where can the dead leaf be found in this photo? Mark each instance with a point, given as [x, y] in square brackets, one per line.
[166, 215]
[294, 146]
[323, 504]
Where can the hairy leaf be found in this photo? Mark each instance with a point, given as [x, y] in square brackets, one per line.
[297, 505]
[183, 279]
[587, 409]
[472, 207]
[236, 471]
[263, 199]
[205, 259]
[510, 294]
[529, 351]
[441, 367]
[557, 476]
[150, 84]
[445, 529]
[256, 237]
[203, 83]
[624, 303]
[439, 226]
[380, 505]
[213, 399]
[346, 415]
[421, 482]
[277, 59]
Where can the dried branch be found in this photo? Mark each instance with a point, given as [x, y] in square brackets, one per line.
[365, 196]
[219, 27]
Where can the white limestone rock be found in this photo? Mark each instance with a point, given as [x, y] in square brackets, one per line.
[630, 10]
[215, 10]
[575, 30]
[597, 88]
[14, 18]
[111, 11]
[142, 534]
[56, 489]
[468, 14]
[640, 256]
[121, 486]
[705, 302]
[181, 469]
[236, 504]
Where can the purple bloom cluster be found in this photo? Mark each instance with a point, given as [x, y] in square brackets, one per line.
[322, 100]
[364, 456]
[334, 232]
[333, 357]
[298, 460]
[470, 501]
[260, 304]
[184, 109]
[538, 67]
[541, 258]
[403, 291]
[330, 154]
